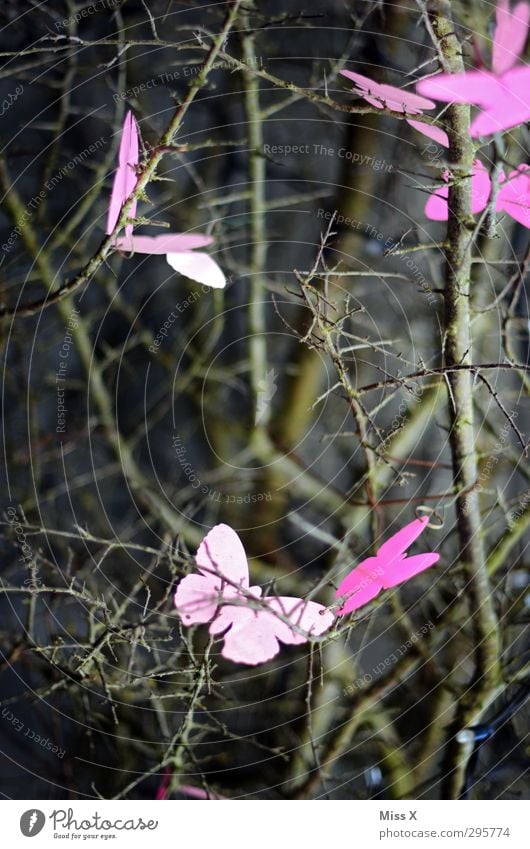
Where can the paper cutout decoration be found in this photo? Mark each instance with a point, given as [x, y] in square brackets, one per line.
[125, 176]
[381, 95]
[178, 247]
[253, 628]
[387, 569]
[180, 254]
[436, 207]
[435, 133]
[513, 196]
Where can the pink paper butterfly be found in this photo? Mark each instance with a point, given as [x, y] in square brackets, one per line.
[178, 247]
[220, 594]
[180, 254]
[389, 96]
[387, 569]
[436, 207]
[503, 94]
[513, 196]
[125, 176]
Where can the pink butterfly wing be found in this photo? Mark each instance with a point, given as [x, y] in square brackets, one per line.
[509, 108]
[125, 176]
[381, 94]
[361, 586]
[514, 195]
[400, 541]
[197, 598]
[136, 244]
[309, 616]
[254, 636]
[173, 242]
[396, 567]
[404, 101]
[366, 88]
[480, 187]
[510, 35]
[364, 84]
[198, 266]
[372, 100]
[505, 100]
[407, 567]
[248, 634]
[435, 133]
[162, 244]
[436, 207]
[221, 553]
[481, 88]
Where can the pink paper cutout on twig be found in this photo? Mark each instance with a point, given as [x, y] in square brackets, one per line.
[381, 95]
[178, 247]
[125, 176]
[387, 569]
[253, 628]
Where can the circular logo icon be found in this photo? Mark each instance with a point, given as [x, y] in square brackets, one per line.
[32, 822]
